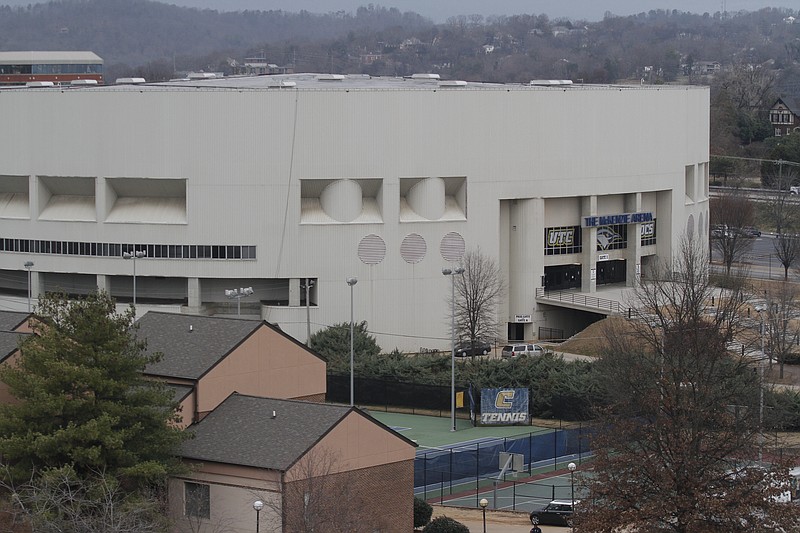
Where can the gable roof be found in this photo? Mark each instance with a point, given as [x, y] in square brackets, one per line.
[790, 102]
[9, 343]
[242, 431]
[11, 320]
[191, 344]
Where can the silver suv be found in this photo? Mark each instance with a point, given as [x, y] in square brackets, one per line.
[514, 350]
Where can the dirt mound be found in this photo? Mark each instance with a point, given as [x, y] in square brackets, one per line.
[592, 340]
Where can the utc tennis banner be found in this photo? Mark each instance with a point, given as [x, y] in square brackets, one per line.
[504, 406]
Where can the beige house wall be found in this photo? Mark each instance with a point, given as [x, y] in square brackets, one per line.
[232, 491]
[267, 364]
[5, 395]
[356, 443]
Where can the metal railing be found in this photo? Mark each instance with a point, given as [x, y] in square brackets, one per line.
[577, 298]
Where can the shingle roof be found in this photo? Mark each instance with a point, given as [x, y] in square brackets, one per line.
[10, 320]
[191, 344]
[792, 103]
[9, 342]
[179, 391]
[241, 431]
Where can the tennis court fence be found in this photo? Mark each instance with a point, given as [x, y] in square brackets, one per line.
[469, 466]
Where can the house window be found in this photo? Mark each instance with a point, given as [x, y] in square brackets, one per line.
[777, 132]
[197, 498]
[775, 117]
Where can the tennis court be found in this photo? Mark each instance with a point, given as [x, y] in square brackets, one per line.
[461, 467]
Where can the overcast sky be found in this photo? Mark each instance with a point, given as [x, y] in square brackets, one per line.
[440, 10]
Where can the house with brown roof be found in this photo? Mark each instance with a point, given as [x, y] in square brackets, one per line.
[784, 115]
[205, 359]
[313, 466]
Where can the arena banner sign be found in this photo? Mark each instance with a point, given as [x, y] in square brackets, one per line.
[622, 218]
[504, 406]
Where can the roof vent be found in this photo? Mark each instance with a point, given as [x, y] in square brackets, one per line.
[549, 83]
[201, 75]
[330, 77]
[282, 84]
[424, 76]
[129, 81]
[40, 84]
[452, 83]
[274, 414]
[191, 328]
[83, 82]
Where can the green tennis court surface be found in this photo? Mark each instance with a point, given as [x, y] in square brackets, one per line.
[434, 432]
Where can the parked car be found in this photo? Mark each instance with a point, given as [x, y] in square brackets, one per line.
[751, 232]
[555, 513]
[514, 350]
[794, 190]
[465, 349]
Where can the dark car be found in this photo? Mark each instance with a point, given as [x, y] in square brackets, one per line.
[751, 232]
[465, 349]
[556, 513]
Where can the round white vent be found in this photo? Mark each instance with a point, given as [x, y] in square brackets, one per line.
[371, 250]
[452, 246]
[413, 248]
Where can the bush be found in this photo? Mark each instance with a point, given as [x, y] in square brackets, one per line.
[422, 512]
[445, 524]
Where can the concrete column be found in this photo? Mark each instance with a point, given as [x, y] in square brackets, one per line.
[294, 292]
[633, 254]
[103, 283]
[194, 299]
[589, 246]
[37, 284]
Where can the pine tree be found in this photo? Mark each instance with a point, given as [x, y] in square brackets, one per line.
[83, 399]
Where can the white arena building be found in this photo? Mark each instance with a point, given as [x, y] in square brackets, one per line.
[267, 181]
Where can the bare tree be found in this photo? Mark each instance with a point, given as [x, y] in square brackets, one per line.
[782, 208]
[478, 292]
[677, 439]
[787, 250]
[730, 213]
[781, 309]
[319, 497]
[57, 500]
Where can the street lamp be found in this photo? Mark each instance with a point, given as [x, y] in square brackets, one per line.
[258, 505]
[483, 503]
[28, 267]
[760, 309]
[572, 467]
[307, 287]
[351, 282]
[452, 273]
[238, 294]
[135, 255]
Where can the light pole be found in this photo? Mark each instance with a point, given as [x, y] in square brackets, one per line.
[760, 309]
[452, 273]
[483, 503]
[28, 267]
[238, 294]
[258, 505]
[135, 255]
[572, 467]
[307, 287]
[351, 282]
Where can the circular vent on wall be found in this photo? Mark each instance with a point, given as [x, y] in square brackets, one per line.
[452, 246]
[413, 248]
[371, 249]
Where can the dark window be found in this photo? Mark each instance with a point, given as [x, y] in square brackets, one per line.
[613, 237]
[198, 500]
[648, 233]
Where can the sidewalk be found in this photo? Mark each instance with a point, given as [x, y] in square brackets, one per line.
[496, 521]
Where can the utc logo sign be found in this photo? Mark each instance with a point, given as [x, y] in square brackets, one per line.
[504, 406]
[504, 399]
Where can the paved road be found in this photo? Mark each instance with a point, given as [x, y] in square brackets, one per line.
[502, 522]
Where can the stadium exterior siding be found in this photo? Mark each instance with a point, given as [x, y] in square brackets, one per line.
[229, 162]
